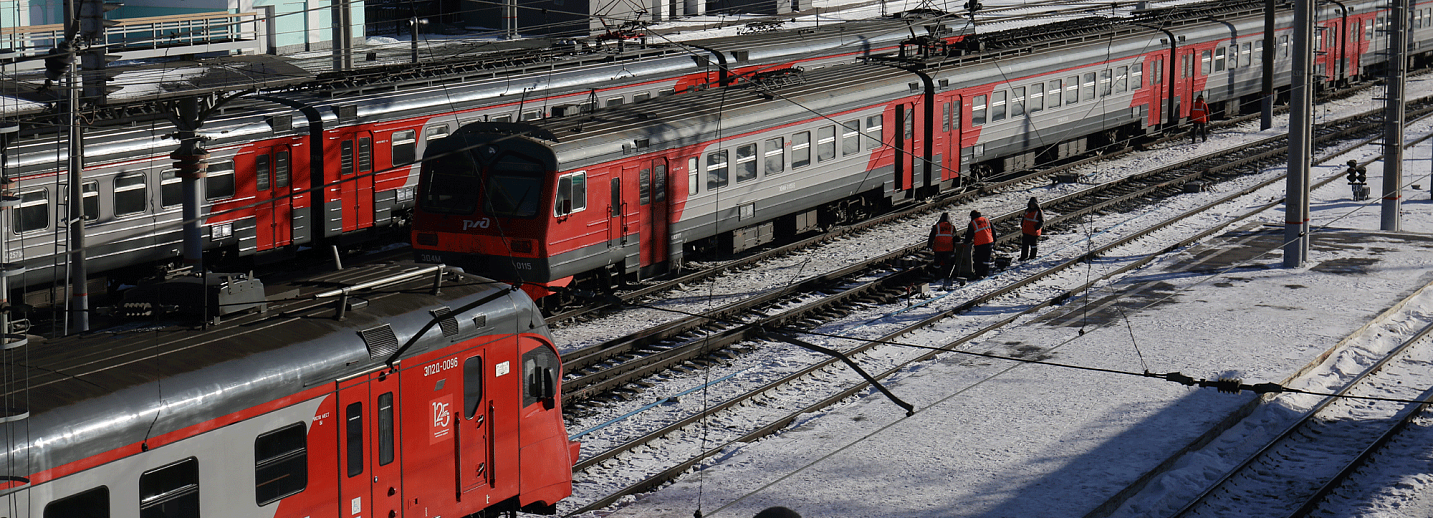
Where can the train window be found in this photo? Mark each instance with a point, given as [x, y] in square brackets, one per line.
[365, 154]
[34, 211]
[345, 157]
[405, 147]
[171, 189]
[512, 187]
[1072, 89]
[534, 363]
[450, 185]
[435, 133]
[659, 182]
[644, 189]
[873, 131]
[501, 118]
[90, 199]
[851, 137]
[88, 504]
[1017, 101]
[1218, 60]
[745, 162]
[261, 173]
[1284, 46]
[1156, 72]
[280, 463]
[945, 118]
[281, 169]
[977, 110]
[616, 197]
[1036, 102]
[219, 183]
[716, 170]
[641, 96]
[130, 194]
[171, 491]
[615, 101]
[997, 106]
[472, 386]
[1205, 63]
[775, 155]
[571, 194]
[825, 143]
[1087, 88]
[1136, 76]
[1246, 54]
[531, 116]
[385, 429]
[801, 149]
[1233, 56]
[693, 176]
[1187, 67]
[1054, 94]
[1121, 79]
[1106, 83]
[353, 437]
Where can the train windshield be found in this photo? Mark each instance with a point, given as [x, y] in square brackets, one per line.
[450, 184]
[513, 187]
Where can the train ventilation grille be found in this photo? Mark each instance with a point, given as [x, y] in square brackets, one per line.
[448, 323]
[381, 341]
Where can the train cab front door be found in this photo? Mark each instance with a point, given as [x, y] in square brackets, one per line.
[370, 479]
[473, 424]
[273, 206]
[355, 180]
[652, 186]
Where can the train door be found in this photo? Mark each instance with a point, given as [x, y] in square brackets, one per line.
[384, 448]
[355, 177]
[652, 187]
[355, 489]
[472, 424]
[905, 156]
[617, 211]
[274, 210]
[949, 148]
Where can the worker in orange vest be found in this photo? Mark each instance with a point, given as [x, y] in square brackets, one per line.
[1030, 227]
[981, 238]
[942, 243]
[1199, 115]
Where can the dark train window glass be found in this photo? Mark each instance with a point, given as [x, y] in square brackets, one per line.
[472, 386]
[825, 143]
[435, 133]
[1246, 55]
[716, 169]
[219, 183]
[261, 172]
[945, 118]
[851, 137]
[450, 185]
[641, 96]
[353, 437]
[131, 194]
[977, 110]
[280, 463]
[89, 504]
[171, 491]
[345, 157]
[513, 188]
[90, 195]
[616, 201]
[873, 131]
[534, 362]
[365, 154]
[801, 149]
[385, 429]
[405, 147]
[1219, 59]
[171, 189]
[33, 212]
[644, 186]
[745, 163]
[571, 188]
[281, 169]
[659, 183]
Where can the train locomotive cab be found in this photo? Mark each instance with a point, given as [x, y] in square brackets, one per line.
[485, 203]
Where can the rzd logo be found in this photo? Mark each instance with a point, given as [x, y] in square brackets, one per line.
[475, 223]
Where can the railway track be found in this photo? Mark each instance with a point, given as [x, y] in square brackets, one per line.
[753, 421]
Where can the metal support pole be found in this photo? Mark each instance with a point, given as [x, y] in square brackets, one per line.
[79, 275]
[1296, 201]
[1266, 107]
[1393, 117]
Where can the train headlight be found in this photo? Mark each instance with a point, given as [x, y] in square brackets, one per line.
[405, 194]
[221, 231]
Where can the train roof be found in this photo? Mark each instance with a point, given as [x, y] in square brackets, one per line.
[93, 392]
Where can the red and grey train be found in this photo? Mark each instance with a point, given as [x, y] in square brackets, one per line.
[628, 191]
[301, 167]
[303, 411]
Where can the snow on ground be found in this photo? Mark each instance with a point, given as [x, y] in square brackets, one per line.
[1045, 441]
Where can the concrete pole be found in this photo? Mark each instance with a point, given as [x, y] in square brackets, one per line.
[79, 275]
[1266, 108]
[1296, 200]
[1393, 117]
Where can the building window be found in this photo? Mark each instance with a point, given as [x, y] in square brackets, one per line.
[130, 194]
[405, 147]
[280, 463]
[171, 491]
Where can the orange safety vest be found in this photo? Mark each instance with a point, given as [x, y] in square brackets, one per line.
[944, 237]
[1200, 113]
[983, 235]
[1027, 225]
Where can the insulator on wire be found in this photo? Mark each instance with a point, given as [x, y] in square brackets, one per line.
[1228, 385]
